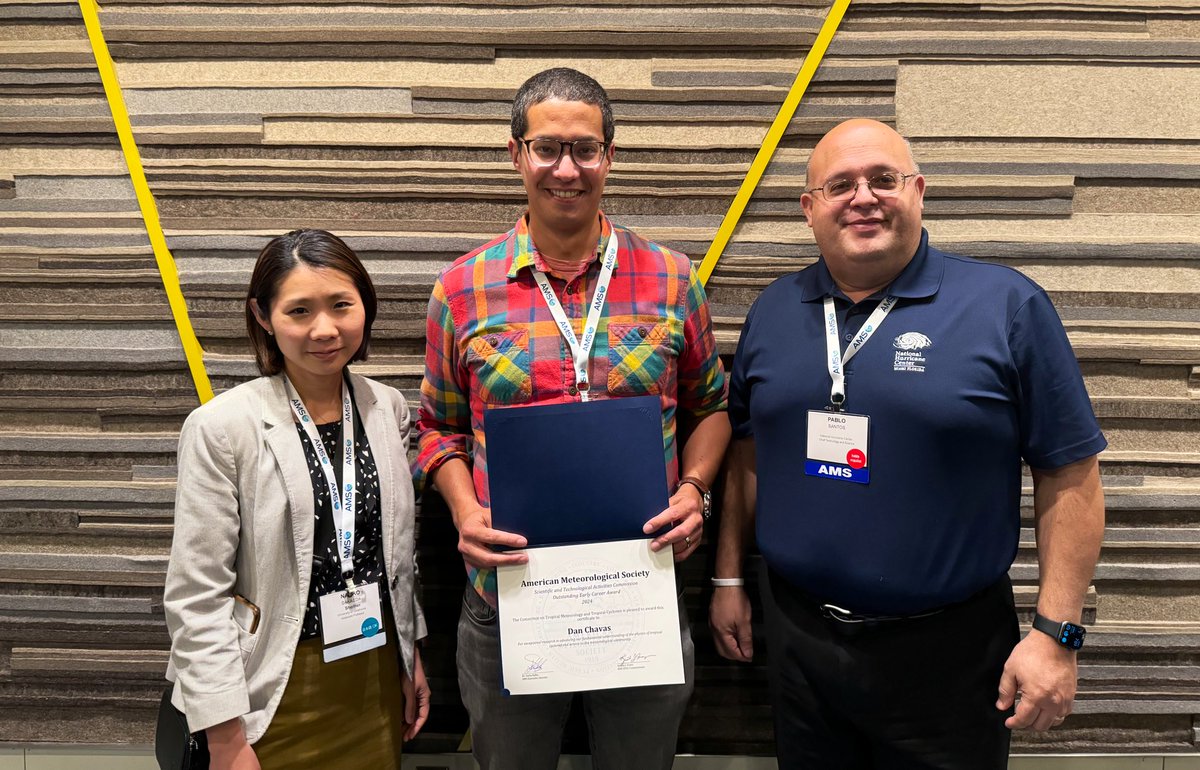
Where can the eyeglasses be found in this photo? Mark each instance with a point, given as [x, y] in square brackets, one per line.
[886, 185]
[587, 153]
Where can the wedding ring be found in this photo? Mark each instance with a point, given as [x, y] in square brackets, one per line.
[687, 540]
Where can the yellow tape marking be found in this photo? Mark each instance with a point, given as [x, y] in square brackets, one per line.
[771, 141]
[137, 175]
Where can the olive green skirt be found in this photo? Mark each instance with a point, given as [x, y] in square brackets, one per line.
[349, 713]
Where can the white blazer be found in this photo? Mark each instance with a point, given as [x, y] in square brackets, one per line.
[244, 525]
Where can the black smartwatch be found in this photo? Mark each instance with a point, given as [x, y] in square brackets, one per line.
[1069, 635]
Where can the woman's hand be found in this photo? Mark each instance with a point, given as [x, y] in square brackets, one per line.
[416, 697]
[228, 749]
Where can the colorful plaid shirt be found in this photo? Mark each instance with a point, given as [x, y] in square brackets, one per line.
[491, 341]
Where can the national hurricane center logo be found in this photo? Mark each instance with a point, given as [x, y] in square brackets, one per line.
[910, 352]
[911, 341]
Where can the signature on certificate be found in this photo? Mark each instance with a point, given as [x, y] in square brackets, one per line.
[632, 659]
[535, 663]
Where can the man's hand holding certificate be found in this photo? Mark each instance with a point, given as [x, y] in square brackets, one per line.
[594, 607]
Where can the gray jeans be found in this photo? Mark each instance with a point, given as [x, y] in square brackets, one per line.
[632, 727]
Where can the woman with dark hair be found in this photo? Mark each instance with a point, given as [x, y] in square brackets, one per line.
[290, 589]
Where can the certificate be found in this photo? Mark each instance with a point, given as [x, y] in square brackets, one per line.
[589, 617]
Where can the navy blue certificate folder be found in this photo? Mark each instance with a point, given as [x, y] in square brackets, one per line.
[577, 472]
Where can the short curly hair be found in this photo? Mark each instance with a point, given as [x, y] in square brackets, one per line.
[567, 85]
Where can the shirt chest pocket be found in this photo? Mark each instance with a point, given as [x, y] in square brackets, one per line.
[640, 358]
[500, 362]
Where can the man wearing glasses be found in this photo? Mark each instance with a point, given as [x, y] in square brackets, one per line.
[882, 401]
[494, 339]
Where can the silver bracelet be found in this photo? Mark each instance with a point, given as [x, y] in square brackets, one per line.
[728, 582]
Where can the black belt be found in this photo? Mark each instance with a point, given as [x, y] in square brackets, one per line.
[847, 622]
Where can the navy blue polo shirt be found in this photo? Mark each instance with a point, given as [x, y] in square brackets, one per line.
[969, 373]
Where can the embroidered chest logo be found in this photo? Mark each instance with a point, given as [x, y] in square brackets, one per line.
[910, 352]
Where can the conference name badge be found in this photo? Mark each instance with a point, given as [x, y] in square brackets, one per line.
[351, 622]
[837, 446]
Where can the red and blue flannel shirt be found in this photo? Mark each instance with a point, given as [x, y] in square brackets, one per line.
[491, 341]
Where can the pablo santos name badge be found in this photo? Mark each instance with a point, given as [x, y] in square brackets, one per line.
[837, 446]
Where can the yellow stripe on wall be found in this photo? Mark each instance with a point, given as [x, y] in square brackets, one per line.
[771, 141]
[166, 263]
[133, 161]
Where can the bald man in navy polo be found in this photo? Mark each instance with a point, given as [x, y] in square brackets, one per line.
[883, 400]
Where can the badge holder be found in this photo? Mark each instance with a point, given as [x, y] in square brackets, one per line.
[837, 445]
[351, 622]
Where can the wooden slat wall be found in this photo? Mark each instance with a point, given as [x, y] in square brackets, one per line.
[1062, 138]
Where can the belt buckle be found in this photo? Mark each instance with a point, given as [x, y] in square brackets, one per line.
[847, 623]
[841, 615]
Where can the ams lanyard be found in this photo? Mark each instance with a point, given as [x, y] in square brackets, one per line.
[581, 349]
[343, 500]
[835, 360]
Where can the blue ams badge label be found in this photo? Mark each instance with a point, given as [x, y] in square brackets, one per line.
[837, 446]
[835, 471]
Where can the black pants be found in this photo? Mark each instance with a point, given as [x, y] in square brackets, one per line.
[915, 693]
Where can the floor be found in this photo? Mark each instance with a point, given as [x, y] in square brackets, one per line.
[142, 758]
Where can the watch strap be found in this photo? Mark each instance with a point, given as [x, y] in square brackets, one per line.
[1046, 625]
[1054, 629]
[695, 481]
[705, 493]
